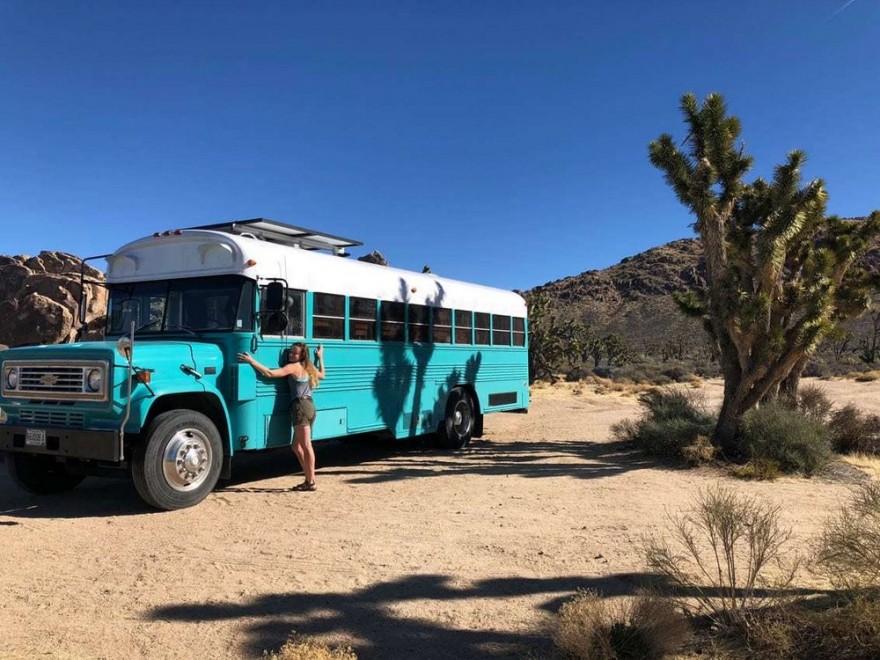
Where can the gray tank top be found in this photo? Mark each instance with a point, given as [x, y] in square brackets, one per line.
[300, 388]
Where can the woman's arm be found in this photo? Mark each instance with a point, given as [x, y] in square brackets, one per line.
[319, 361]
[263, 370]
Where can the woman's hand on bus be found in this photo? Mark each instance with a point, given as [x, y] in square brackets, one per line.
[246, 357]
[319, 352]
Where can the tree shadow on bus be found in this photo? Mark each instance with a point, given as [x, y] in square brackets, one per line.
[371, 618]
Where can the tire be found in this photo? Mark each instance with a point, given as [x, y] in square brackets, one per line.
[41, 475]
[179, 461]
[457, 428]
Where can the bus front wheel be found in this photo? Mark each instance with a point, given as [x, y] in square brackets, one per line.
[457, 428]
[42, 475]
[179, 461]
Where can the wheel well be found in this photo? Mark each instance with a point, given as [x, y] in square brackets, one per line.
[202, 402]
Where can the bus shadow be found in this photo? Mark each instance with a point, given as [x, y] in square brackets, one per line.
[93, 498]
[580, 459]
[371, 615]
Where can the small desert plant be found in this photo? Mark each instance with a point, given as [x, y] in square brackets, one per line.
[817, 630]
[762, 469]
[719, 555]
[700, 451]
[779, 433]
[848, 551]
[853, 431]
[592, 628]
[672, 420]
[299, 647]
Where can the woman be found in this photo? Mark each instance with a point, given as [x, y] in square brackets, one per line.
[303, 377]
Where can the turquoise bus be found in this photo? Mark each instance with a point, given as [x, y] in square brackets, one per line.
[163, 398]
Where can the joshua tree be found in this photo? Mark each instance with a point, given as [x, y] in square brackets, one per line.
[780, 273]
[546, 348]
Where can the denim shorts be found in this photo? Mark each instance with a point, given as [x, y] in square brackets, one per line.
[302, 412]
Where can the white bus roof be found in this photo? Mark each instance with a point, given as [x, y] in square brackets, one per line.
[207, 252]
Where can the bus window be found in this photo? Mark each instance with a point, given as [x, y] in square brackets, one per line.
[393, 315]
[328, 319]
[500, 330]
[294, 306]
[419, 323]
[443, 325]
[362, 315]
[519, 331]
[481, 325]
[463, 323]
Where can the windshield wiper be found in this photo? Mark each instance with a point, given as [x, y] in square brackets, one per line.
[182, 327]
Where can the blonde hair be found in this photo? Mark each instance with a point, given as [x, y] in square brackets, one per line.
[306, 362]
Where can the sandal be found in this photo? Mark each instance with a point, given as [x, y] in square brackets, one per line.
[305, 486]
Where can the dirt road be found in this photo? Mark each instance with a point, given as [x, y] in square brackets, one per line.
[404, 551]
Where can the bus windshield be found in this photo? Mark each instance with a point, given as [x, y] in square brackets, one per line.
[210, 304]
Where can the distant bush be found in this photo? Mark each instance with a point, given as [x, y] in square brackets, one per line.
[762, 469]
[776, 432]
[299, 647]
[853, 431]
[591, 628]
[813, 401]
[672, 420]
[848, 551]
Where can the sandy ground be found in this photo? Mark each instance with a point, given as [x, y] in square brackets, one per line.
[404, 551]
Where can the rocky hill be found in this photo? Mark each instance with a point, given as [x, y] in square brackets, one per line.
[39, 295]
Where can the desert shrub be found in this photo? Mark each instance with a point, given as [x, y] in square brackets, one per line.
[762, 469]
[853, 431]
[813, 401]
[672, 420]
[589, 627]
[848, 550]
[817, 630]
[779, 433]
[678, 374]
[718, 557]
[700, 451]
[866, 376]
[299, 647]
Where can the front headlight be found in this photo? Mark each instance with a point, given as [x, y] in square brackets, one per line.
[95, 380]
[12, 378]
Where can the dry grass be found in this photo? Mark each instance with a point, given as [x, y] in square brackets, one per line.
[867, 463]
[865, 376]
[592, 628]
[299, 647]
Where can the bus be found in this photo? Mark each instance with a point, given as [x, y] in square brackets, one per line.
[163, 398]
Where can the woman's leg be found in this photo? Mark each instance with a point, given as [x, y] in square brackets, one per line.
[308, 453]
[298, 446]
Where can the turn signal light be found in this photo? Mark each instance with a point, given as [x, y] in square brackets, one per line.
[250, 262]
[143, 377]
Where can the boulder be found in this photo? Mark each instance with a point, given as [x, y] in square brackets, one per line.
[39, 297]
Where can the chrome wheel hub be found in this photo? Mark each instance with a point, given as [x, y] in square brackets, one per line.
[187, 459]
[461, 418]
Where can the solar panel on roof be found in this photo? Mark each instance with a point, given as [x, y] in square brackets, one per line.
[278, 232]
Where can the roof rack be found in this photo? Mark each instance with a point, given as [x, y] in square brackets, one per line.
[278, 232]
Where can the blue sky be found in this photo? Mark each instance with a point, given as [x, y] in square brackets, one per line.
[503, 143]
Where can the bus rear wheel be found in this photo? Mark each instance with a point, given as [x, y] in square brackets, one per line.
[457, 428]
[42, 475]
[179, 461]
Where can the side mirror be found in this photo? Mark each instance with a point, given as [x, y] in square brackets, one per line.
[275, 323]
[275, 296]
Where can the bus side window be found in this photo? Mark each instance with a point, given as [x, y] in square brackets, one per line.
[362, 318]
[500, 330]
[481, 325]
[519, 331]
[328, 319]
[294, 306]
[393, 315]
[442, 325]
[464, 322]
[419, 323]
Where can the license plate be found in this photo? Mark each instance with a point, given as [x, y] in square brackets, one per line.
[34, 438]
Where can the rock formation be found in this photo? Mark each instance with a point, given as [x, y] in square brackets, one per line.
[39, 296]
